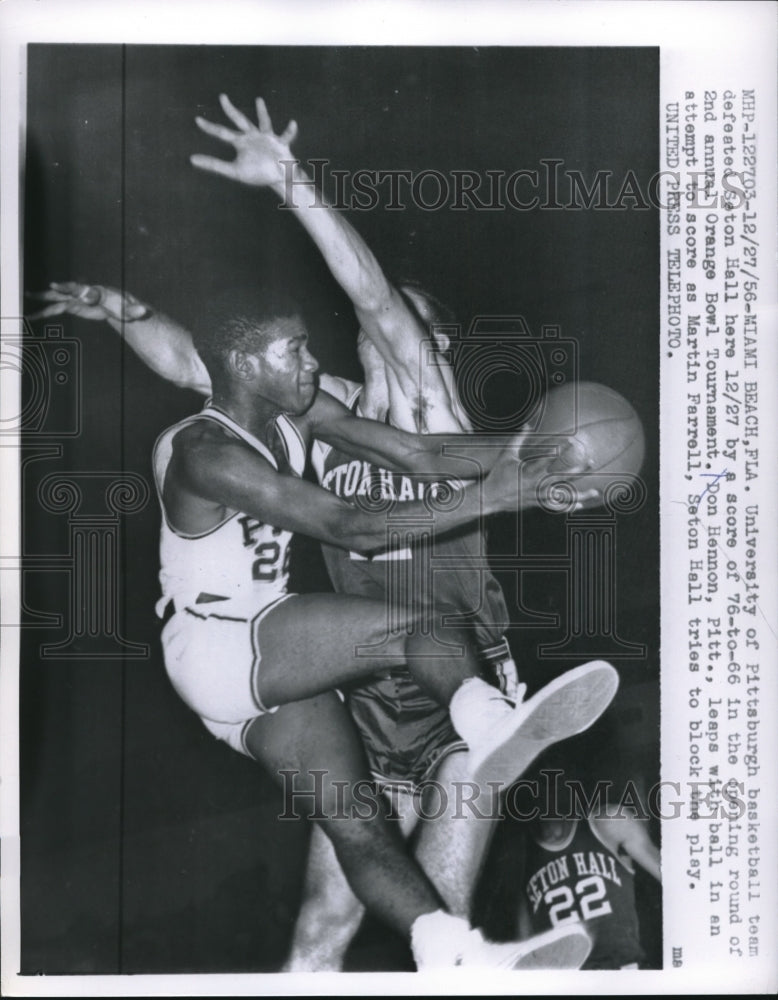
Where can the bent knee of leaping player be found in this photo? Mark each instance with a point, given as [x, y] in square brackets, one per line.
[436, 631]
[441, 660]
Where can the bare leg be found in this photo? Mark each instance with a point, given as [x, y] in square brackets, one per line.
[317, 735]
[440, 657]
[330, 914]
[315, 642]
[451, 848]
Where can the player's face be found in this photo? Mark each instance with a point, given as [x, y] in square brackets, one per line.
[288, 369]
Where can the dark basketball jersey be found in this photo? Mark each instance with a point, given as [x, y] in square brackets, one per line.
[442, 571]
[402, 729]
[584, 882]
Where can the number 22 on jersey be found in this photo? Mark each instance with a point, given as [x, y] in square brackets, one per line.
[584, 901]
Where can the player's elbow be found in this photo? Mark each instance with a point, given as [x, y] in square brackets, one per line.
[374, 296]
[194, 375]
[183, 372]
[385, 317]
[195, 384]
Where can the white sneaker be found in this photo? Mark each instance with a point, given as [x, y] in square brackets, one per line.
[566, 706]
[560, 948]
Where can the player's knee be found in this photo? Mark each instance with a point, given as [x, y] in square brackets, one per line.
[440, 639]
[389, 634]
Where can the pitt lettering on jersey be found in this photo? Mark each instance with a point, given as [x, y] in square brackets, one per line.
[251, 526]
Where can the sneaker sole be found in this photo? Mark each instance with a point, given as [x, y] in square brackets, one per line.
[566, 706]
[568, 950]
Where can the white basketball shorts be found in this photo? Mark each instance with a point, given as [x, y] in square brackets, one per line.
[213, 661]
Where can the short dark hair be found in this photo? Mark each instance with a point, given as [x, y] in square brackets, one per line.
[240, 319]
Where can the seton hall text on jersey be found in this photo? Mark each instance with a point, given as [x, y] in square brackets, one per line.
[559, 869]
[358, 478]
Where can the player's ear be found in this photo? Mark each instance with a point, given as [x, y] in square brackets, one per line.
[241, 365]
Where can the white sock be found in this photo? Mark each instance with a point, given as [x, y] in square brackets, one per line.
[475, 709]
[438, 939]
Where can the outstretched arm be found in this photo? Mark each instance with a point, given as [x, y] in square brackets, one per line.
[383, 394]
[402, 338]
[429, 457]
[432, 457]
[228, 474]
[160, 342]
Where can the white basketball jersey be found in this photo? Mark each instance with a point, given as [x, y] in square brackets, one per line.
[242, 560]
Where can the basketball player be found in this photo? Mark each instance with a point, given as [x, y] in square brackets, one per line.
[408, 738]
[431, 411]
[592, 864]
[238, 647]
[224, 597]
[574, 870]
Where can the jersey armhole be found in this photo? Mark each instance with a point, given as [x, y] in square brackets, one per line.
[165, 440]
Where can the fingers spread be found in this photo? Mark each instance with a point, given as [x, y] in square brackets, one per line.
[236, 117]
[49, 296]
[54, 310]
[263, 117]
[67, 291]
[66, 287]
[218, 131]
[289, 133]
[214, 165]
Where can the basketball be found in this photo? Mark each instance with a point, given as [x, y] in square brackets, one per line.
[599, 431]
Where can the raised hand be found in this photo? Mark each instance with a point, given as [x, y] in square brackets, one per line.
[89, 302]
[258, 150]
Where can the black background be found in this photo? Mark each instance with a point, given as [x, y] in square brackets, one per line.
[147, 846]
